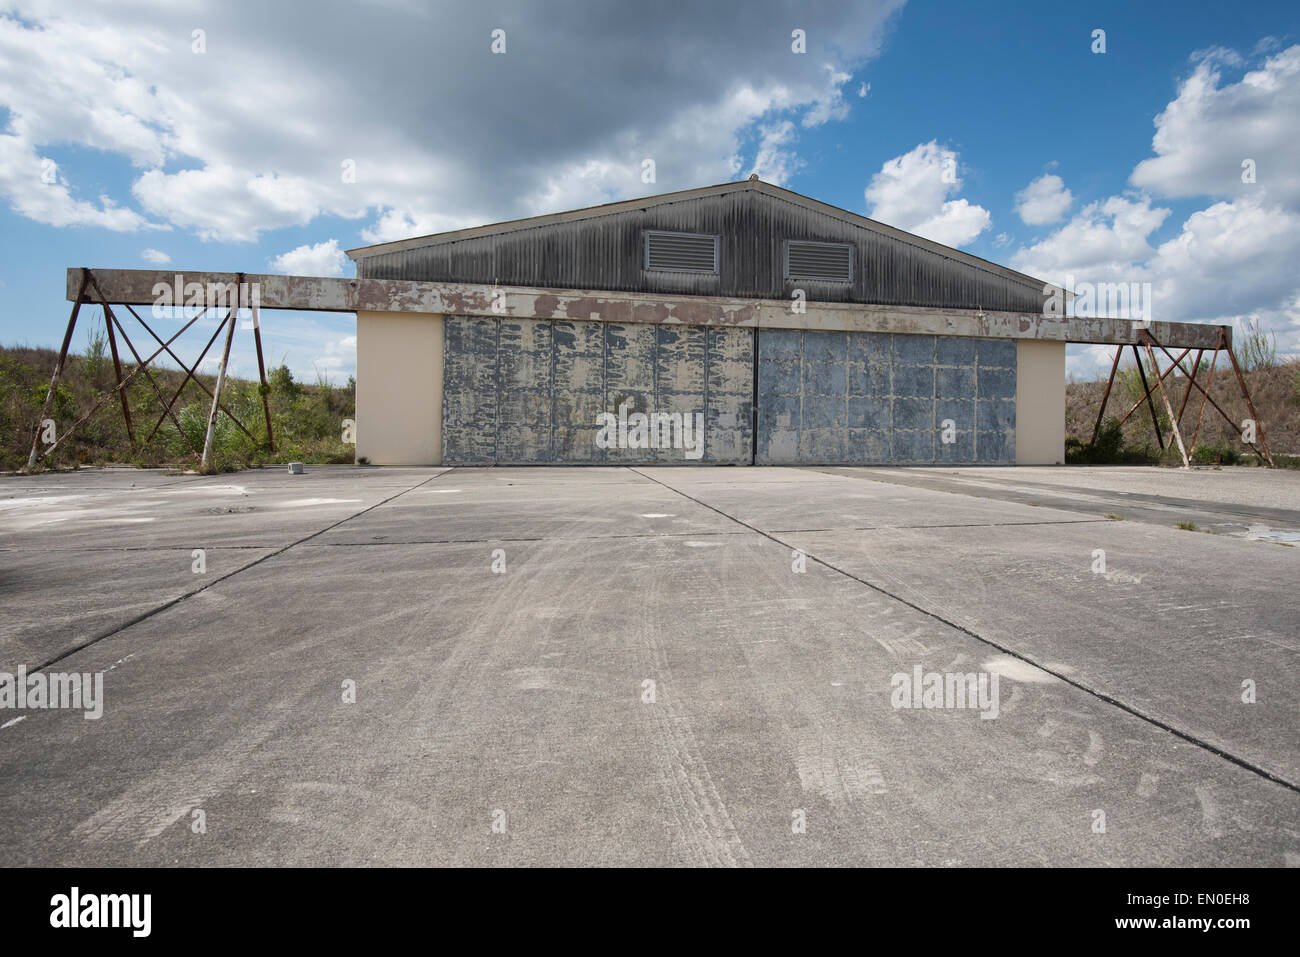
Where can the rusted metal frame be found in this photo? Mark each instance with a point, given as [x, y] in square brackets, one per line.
[1147, 339]
[1209, 384]
[261, 373]
[1149, 389]
[117, 364]
[167, 409]
[1259, 426]
[1105, 396]
[58, 371]
[1137, 357]
[1196, 367]
[1261, 452]
[190, 372]
[103, 400]
[1136, 405]
[206, 461]
[198, 382]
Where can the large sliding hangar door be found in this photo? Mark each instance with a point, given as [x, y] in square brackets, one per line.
[529, 391]
[859, 398]
[524, 391]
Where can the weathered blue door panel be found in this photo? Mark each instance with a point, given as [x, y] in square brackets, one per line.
[831, 398]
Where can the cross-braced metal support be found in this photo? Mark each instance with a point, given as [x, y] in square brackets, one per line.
[116, 329]
[1186, 452]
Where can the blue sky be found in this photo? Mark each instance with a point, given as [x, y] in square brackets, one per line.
[228, 159]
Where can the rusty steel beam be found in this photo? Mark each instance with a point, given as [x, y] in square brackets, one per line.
[1137, 357]
[147, 286]
[261, 374]
[1196, 367]
[1105, 396]
[206, 462]
[1205, 395]
[190, 372]
[167, 409]
[117, 371]
[58, 371]
[1259, 426]
[1147, 395]
[197, 381]
[103, 399]
[1262, 452]
[1164, 396]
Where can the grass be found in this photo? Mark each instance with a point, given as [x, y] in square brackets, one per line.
[306, 419]
[1254, 349]
[1281, 461]
[1187, 526]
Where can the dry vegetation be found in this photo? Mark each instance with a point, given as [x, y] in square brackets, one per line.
[306, 419]
[1274, 388]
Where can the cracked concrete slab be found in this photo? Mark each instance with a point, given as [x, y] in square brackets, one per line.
[661, 696]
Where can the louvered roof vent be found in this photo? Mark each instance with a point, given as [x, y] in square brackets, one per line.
[681, 252]
[829, 262]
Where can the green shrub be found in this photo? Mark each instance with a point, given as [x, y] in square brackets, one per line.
[1110, 448]
[1215, 454]
[281, 381]
[65, 402]
[1106, 448]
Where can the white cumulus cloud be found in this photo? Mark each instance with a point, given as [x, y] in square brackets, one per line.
[1231, 262]
[912, 192]
[1205, 134]
[321, 259]
[1044, 201]
[1104, 242]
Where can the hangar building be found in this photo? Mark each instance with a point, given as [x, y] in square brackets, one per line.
[739, 324]
[801, 334]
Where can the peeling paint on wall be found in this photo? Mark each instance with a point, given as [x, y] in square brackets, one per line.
[525, 391]
[439, 298]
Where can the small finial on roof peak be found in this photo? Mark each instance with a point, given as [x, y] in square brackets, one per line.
[753, 177]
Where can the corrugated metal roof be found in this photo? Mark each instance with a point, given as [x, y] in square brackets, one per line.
[602, 247]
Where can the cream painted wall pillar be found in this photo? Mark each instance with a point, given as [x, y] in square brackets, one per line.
[1040, 402]
[399, 388]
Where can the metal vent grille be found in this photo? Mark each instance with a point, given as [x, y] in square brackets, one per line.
[681, 252]
[830, 262]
